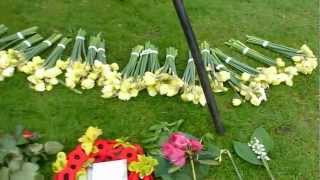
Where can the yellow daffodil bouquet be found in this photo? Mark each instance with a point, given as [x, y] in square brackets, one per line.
[31, 61]
[108, 74]
[128, 87]
[168, 81]
[254, 94]
[46, 75]
[248, 73]
[192, 91]
[146, 71]
[10, 58]
[101, 74]
[276, 72]
[217, 76]
[304, 59]
[87, 80]
[77, 68]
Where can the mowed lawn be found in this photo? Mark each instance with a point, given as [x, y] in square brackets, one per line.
[290, 115]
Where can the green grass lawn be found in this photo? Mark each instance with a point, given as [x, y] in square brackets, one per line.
[290, 115]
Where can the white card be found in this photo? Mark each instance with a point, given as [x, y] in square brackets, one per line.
[111, 170]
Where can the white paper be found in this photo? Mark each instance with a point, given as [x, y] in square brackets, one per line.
[111, 170]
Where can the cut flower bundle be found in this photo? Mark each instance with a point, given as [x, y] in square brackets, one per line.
[87, 67]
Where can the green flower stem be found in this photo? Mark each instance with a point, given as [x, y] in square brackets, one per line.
[265, 164]
[193, 168]
[14, 38]
[79, 51]
[234, 165]
[240, 47]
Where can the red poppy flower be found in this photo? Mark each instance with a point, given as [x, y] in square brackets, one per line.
[130, 154]
[133, 176]
[27, 134]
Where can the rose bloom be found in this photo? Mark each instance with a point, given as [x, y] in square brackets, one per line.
[177, 146]
[175, 155]
[179, 140]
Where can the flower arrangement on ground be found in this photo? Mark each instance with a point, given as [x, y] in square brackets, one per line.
[183, 156]
[91, 150]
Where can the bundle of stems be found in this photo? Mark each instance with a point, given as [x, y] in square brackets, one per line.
[39, 48]
[235, 63]
[148, 61]
[28, 43]
[219, 66]
[206, 56]
[245, 50]
[279, 48]
[93, 49]
[129, 69]
[192, 92]
[101, 54]
[170, 65]
[79, 51]
[189, 75]
[12, 39]
[56, 54]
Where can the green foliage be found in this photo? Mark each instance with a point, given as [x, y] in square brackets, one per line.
[157, 134]
[207, 157]
[19, 155]
[166, 171]
[262, 135]
[245, 152]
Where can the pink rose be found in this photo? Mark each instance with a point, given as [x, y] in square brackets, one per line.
[179, 140]
[196, 146]
[175, 155]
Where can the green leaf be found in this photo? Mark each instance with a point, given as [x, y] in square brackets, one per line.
[214, 150]
[208, 137]
[39, 177]
[174, 169]
[21, 175]
[166, 177]
[209, 162]
[19, 131]
[149, 140]
[244, 151]
[30, 167]
[35, 148]
[21, 141]
[155, 127]
[182, 176]
[4, 173]
[262, 135]
[163, 138]
[19, 136]
[7, 142]
[53, 147]
[3, 154]
[28, 172]
[35, 159]
[163, 166]
[205, 155]
[202, 170]
[15, 165]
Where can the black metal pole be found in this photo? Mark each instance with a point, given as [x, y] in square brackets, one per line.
[204, 80]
